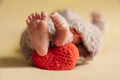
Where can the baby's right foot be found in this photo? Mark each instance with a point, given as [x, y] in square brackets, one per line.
[63, 34]
[38, 29]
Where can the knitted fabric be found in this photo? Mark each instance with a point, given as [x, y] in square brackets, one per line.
[91, 33]
[91, 36]
[75, 34]
[57, 58]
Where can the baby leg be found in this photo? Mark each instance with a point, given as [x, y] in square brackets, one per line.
[63, 34]
[38, 30]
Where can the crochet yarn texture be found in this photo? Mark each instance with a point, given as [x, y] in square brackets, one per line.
[57, 58]
[91, 36]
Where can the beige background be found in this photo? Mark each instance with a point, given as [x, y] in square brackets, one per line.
[105, 66]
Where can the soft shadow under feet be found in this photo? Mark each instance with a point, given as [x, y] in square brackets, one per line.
[8, 62]
[1, 2]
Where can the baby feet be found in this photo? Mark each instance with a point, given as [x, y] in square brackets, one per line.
[63, 34]
[38, 29]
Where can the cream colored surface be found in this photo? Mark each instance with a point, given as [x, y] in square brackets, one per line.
[105, 66]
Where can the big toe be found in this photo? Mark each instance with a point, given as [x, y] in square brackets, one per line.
[44, 15]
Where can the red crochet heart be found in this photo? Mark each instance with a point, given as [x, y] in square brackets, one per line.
[57, 58]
